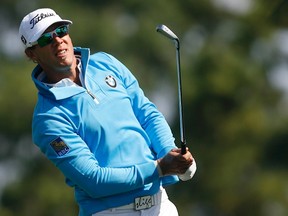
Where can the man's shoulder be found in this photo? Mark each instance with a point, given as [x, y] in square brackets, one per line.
[102, 56]
[105, 59]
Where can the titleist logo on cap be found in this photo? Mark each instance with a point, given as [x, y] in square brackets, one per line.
[40, 17]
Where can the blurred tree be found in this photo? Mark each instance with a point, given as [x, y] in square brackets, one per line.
[40, 192]
[235, 118]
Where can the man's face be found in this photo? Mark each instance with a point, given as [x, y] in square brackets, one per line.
[58, 56]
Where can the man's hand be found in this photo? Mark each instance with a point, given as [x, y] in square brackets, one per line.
[174, 163]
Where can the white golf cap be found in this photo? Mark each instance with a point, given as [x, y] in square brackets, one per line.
[35, 23]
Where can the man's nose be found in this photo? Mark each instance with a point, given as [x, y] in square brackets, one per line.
[56, 38]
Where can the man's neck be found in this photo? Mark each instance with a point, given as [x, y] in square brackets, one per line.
[72, 72]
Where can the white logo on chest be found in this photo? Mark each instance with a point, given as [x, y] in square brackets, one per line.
[110, 80]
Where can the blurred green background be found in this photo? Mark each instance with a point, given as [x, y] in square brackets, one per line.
[235, 90]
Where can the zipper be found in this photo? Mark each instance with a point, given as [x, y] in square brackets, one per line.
[93, 96]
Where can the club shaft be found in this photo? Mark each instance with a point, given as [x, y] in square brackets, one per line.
[180, 100]
[164, 30]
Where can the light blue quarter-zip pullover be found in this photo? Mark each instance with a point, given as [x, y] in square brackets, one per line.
[104, 136]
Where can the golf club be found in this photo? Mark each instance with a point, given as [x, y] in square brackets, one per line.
[164, 30]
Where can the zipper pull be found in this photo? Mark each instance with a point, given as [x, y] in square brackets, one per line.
[93, 96]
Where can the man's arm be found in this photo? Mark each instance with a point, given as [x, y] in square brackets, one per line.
[79, 165]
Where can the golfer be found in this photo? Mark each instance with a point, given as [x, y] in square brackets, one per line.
[93, 121]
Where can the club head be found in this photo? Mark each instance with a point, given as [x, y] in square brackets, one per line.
[164, 30]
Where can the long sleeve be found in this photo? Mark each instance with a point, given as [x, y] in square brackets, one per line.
[152, 121]
[53, 134]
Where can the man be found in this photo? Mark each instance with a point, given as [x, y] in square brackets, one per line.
[94, 123]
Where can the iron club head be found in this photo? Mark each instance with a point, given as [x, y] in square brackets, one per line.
[164, 30]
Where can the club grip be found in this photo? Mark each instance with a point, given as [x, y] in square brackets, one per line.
[183, 148]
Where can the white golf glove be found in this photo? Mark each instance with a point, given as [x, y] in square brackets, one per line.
[189, 172]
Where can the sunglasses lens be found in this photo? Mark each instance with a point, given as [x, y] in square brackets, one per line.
[47, 38]
[61, 31]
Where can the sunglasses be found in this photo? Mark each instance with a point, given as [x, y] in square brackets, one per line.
[47, 38]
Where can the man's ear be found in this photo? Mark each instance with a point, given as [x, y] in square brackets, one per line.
[30, 54]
